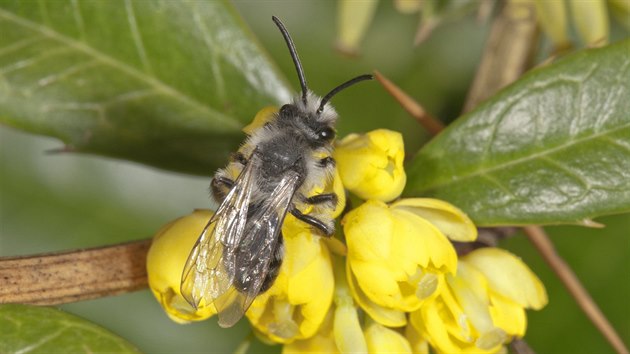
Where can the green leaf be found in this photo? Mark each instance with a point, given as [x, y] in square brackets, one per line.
[554, 147]
[33, 329]
[167, 83]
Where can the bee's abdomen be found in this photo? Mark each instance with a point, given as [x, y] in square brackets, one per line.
[247, 276]
[274, 266]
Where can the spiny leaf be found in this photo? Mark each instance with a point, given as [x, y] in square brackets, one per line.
[554, 147]
[33, 329]
[166, 83]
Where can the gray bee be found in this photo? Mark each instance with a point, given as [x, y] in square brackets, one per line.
[239, 253]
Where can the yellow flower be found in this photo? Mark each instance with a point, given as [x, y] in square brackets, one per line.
[397, 254]
[371, 165]
[165, 262]
[482, 307]
[297, 303]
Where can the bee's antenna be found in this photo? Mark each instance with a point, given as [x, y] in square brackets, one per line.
[294, 56]
[341, 87]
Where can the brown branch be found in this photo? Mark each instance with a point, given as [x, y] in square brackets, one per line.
[58, 278]
[546, 249]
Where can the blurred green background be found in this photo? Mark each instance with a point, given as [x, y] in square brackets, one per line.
[59, 201]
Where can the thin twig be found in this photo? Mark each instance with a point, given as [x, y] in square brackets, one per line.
[546, 249]
[432, 125]
[519, 346]
[59, 278]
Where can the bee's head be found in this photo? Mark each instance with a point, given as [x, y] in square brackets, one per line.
[314, 116]
[314, 125]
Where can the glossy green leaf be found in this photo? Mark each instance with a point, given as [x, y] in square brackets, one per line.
[167, 83]
[33, 329]
[554, 147]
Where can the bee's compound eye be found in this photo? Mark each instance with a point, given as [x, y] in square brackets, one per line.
[326, 134]
[288, 110]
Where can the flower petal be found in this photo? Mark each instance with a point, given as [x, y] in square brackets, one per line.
[431, 247]
[419, 344]
[381, 339]
[509, 276]
[377, 283]
[446, 217]
[368, 230]
[323, 342]
[385, 316]
[347, 330]
[508, 315]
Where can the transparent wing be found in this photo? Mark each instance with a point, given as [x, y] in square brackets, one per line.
[229, 262]
[256, 251]
[210, 269]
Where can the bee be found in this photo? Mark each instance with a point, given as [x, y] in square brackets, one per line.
[239, 253]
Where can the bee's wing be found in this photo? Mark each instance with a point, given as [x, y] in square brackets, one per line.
[257, 250]
[209, 271]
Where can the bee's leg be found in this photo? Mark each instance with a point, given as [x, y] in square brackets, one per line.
[274, 265]
[323, 198]
[327, 229]
[220, 186]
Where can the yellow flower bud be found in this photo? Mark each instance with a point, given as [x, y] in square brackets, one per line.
[396, 256]
[591, 21]
[371, 165]
[349, 336]
[165, 262]
[291, 309]
[353, 18]
[552, 18]
[347, 329]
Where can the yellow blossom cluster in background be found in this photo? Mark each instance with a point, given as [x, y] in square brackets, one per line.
[389, 281]
[557, 18]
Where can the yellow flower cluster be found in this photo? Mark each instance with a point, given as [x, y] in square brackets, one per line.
[390, 282]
